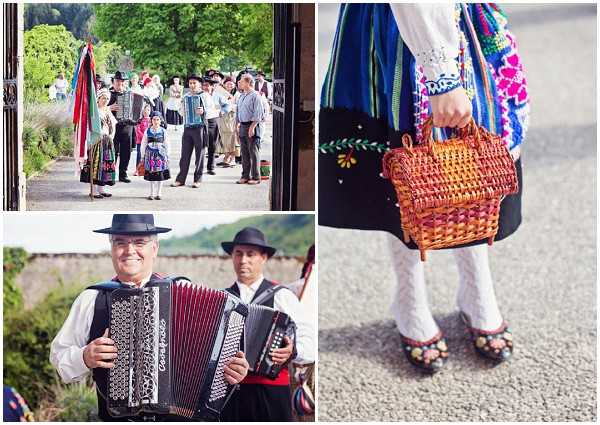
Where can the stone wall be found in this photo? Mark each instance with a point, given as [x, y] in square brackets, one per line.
[46, 271]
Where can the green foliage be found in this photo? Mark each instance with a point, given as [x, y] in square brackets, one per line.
[76, 17]
[42, 145]
[107, 56]
[290, 234]
[76, 402]
[27, 338]
[15, 260]
[177, 39]
[48, 51]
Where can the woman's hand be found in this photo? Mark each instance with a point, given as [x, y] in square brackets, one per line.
[451, 109]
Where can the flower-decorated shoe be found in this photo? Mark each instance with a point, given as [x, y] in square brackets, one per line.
[429, 356]
[496, 344]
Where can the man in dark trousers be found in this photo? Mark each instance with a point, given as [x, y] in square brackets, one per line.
[261, 398]
[125, 128]
[195, 137]
[82, 345]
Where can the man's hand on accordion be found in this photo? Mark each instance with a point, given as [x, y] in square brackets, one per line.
[100, 352]
[236, 369]
[281, 355]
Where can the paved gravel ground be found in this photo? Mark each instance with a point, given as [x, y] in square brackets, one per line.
[545, 274]
[59, 189]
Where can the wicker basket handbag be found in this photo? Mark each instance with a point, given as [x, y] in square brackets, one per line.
[449, 193]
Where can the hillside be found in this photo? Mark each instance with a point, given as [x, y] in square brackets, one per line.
[291, 234]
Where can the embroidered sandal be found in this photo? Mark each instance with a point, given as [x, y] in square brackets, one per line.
[429, 356]
[496, 345]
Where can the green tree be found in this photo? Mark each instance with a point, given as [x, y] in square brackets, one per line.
[183, 38]
[107, 55]
[48, 51]
[76, 17]
[15, 260]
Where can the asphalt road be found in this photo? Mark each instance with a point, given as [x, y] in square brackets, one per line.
[59, 189]
[545, 274]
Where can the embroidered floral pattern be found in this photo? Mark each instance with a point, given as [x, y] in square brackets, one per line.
[420, 103]
[346, 160]
[364, 144]
[433, 57]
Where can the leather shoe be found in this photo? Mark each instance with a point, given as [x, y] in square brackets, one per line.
[253, 181]
[176, 184]
[150, 198]
[429, 356]
[106, 195]
[98, 196]
[211, 172]
[242, 181]
[124, 180]
[196, 185]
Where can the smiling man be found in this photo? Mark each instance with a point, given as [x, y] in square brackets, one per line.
[82, 345]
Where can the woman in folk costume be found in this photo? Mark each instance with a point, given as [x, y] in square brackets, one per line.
[155, 150]
[101, 154]
[174, 103]
[228, 127]
[409, 61]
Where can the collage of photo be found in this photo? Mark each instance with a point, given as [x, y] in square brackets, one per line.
[174, 173]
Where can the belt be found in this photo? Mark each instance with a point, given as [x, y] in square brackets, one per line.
[246, 123]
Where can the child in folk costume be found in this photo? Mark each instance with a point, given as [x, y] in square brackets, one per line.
[453, 62]
[155, 151]
[101, 154]
[140, 129]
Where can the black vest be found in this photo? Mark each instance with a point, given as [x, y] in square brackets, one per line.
[155, 137]
[99, 324]
[265, 284]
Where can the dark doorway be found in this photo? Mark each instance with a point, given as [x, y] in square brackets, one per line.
[286, 61]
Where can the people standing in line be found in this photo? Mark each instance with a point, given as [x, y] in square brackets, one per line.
[194, 138]
[140, 130]
[214, 104]
[250, 117]
[124, 129]
[61, 87]
[174, 104]
[100, 164]
[228, 128]
[155, 150]
[158, 85]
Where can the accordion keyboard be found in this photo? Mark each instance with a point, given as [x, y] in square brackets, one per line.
[120, 332]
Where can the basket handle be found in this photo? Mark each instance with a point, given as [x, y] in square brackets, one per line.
[470, 129]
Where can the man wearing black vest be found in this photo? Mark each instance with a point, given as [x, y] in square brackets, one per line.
[125, 130]
[82, 344]
[260, 398]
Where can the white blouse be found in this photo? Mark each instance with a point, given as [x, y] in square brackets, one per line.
[430, 32]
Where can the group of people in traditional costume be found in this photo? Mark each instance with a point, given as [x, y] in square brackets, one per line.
[83, 345]
[232, 115]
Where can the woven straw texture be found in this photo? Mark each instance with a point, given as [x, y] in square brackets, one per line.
[449, 193]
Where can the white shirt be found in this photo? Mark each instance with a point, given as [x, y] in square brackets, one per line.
[66, 350]
[431, 34]
[286, 302]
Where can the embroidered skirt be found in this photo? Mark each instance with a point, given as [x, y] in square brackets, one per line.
[374, 93]
[101, 163]
[156, 163]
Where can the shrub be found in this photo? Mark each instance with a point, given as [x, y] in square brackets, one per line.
[15, 260]
[27, 338]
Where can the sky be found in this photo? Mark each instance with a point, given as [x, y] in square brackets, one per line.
[48, 232]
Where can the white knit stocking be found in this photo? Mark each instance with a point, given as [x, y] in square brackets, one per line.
[476, 289]
[159, 186]
[409, 306]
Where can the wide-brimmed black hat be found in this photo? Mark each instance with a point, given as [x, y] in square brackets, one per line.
[194, 77]
[120, 76]
[211, 72]
[133, 224]
[209, 80]
[249, 236]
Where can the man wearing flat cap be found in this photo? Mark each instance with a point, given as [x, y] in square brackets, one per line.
[82, 345]
[261, 398]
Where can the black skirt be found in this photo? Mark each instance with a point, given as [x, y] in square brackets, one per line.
[358, 197]
[259, 403]
[157, 176]
[174, 117]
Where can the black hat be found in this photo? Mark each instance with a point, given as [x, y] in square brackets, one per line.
[249, 236]
[133, 224]
[209, 80]
[194, 77]
[261, 73]
[211, 72]
[120, 76]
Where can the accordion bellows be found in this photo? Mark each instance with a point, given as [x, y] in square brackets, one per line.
[449, 193]
[173, 340]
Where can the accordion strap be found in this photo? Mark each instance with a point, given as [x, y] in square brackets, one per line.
[109, 285]
[267, 295]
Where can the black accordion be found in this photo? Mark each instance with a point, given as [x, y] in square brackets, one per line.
[173, 340]
[264, 331]
[131, 106]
